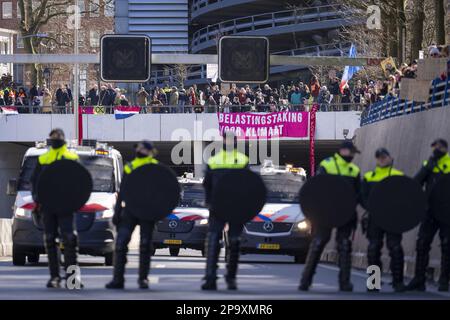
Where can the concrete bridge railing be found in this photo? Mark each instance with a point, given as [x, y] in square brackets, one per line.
[156, 127]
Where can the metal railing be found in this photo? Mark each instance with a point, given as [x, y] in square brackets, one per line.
[199, 71]
[98, 110]
[266, 21]
[199, 4]
[391, 107]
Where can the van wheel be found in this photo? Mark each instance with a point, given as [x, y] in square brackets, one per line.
[33, 258]
[109, 259]
[18, 257]
[300, 258]
[174, 252]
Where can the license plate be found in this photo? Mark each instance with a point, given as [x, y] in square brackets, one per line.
[172, 241]
[269, 246]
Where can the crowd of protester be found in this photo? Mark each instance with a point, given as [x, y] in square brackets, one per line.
[330, 95]
[293, 96]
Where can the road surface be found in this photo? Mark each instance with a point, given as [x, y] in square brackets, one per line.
[260, 277]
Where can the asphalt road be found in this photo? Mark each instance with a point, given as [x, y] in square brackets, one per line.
[260, 277]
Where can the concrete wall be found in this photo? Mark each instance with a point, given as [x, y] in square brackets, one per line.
[408, 139]
[156, 127]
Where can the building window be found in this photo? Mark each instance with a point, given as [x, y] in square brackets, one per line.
[94, 38]
[7, 10]
[81, 38]
[3, 47]
[19, 14]
[94, 8]
[19, 42]
[82, 7]
[18, 72]
[109, 8]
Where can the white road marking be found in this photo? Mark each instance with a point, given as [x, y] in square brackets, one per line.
[153, 279]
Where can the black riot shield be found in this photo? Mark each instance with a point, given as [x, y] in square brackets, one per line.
[238, 196]
[328, 201]
[151, 192]
[440, 200]
[397, 204]
[64, 187]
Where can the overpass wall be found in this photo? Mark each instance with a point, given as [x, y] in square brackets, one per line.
[156, 127]
[408, 139]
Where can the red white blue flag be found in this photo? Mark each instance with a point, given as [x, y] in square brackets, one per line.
[9, 110]
[123, 112]
[349, 71]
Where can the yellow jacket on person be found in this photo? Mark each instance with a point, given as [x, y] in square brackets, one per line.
[138, 162]
[53, 155]
[228, 160]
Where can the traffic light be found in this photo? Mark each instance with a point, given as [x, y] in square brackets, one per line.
[244, 59]
[125, 58]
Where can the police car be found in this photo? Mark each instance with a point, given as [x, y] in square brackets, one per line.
[187, 225]
[280, 228]
[96, 232]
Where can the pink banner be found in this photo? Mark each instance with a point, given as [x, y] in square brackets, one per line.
[265, 125]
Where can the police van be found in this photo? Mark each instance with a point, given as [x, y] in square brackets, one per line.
[187, 225]
[96, 232]
[280, 228]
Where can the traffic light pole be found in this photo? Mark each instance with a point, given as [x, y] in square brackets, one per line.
[190, 59]
[76, 95]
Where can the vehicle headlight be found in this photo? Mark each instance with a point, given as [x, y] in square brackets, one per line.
[201, 222]
[105, 214]
[303, 225]
[22, 213]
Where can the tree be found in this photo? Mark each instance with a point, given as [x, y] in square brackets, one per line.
[439, 16]
[407, 26]
[36, 15]
[179, 72]
[417, 24]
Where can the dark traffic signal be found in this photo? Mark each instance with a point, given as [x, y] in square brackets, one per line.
[244, 59]
[125, 58]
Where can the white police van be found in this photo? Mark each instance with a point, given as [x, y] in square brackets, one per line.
[96, 233]
[187, 225]
[280, 228]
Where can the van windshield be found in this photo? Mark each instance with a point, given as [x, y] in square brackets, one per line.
[282, 188]
[192, 195]
[101, 170]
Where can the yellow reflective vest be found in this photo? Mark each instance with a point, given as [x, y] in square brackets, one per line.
[380, 174]
[53, 155]
[442, 165]
[138, 162]
[228, 160]
[336, 165]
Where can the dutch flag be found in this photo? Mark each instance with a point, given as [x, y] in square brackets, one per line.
[349, 71]
[125, 112]
[9, 110]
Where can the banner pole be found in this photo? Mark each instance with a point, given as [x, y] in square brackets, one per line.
[312, 137]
